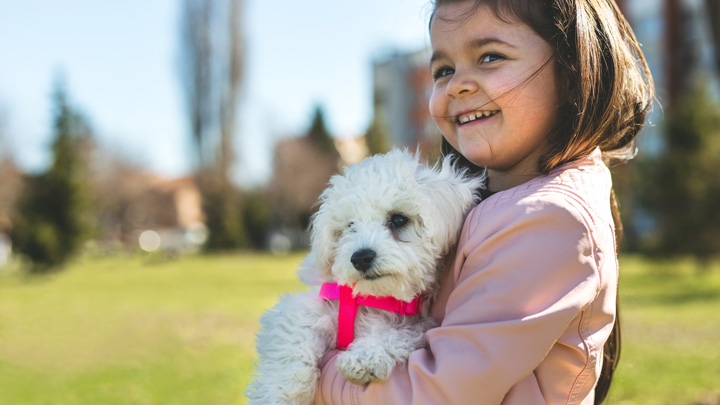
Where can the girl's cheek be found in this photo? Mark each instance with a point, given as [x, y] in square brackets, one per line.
[503, 84]
[438, 103]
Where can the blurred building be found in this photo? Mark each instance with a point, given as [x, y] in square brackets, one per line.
[302, 167]
[677, 41]
[351, 149]
[11, 180]
[301, 171]
[166, 215]
[131, 202]
[401, 92]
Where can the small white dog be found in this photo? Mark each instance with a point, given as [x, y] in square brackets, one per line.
[382, 230]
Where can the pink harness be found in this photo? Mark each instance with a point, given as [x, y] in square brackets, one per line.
[349, 306]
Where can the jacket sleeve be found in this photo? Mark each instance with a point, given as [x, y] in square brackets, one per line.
[522, 274]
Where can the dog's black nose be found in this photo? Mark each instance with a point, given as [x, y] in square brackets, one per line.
[362, 259]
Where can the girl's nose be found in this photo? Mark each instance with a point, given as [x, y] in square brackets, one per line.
[461, 85]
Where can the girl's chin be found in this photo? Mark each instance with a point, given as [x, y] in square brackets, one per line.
[470, 153]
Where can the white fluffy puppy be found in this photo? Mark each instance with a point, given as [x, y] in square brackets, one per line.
[383, 229]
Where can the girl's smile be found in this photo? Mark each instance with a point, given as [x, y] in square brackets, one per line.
[475, 116]
[494, 96]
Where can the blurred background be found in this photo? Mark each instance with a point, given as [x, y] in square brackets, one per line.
[179, 126]
[177, 100]
[137, 135]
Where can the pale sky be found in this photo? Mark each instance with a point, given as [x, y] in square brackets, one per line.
[120, 63]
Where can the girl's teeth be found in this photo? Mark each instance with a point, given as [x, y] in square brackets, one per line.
[474, 116]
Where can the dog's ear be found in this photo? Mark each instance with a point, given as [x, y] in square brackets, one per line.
[323, 236]
[453, 191]
[309, 273]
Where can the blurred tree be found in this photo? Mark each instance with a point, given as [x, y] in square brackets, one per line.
[212, 70]
[626, 177]
[318, 133]
[258, 217]
[713, 14]
[52, 220]
[681, 186]
[377, 139]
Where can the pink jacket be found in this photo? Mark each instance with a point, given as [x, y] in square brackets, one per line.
[526, 308]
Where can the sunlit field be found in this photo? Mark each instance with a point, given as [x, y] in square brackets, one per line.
[139, 329]
[671, 334]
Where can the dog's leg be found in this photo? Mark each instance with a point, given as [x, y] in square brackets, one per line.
[373, 354]
[293, 337]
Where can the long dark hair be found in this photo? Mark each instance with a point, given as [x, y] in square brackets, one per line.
[605, 89]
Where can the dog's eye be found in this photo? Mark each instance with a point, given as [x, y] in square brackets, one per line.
[398, 221]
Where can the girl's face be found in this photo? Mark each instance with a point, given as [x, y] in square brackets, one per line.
[485, 99]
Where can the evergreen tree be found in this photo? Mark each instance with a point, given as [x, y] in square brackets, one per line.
[319, 135]
[377, 139]
[302, 167]
[223, 218]
[52, 221]
[682, 185]
[257, 217]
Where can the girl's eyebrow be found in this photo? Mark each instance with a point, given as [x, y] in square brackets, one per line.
[480, 42]
[435, 56]
[473, 44]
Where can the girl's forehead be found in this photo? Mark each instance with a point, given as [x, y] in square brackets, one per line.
[458, 11]
[464, 22]
[465, 16]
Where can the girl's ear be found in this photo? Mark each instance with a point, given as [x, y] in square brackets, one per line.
[566, 87]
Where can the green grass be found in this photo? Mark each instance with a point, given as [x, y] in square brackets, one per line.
[141, 329]
[671, 333]
[137, 329]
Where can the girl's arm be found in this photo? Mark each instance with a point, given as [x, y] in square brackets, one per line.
[525, 275]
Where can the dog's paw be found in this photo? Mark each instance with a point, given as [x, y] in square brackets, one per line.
[362, 367]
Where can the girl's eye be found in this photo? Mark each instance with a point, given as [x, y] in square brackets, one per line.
[442, 72]
[490, 57]
[398, 221]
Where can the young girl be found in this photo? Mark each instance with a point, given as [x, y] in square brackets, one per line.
[536, 92]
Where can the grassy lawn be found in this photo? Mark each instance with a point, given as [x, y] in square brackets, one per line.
[671, 334]
[137, 330]
[144, 330]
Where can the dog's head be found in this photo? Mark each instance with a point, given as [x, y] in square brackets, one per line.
[384, 225]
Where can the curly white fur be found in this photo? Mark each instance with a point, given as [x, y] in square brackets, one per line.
[409, 216]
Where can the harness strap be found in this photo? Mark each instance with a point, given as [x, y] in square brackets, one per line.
[349, 305]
